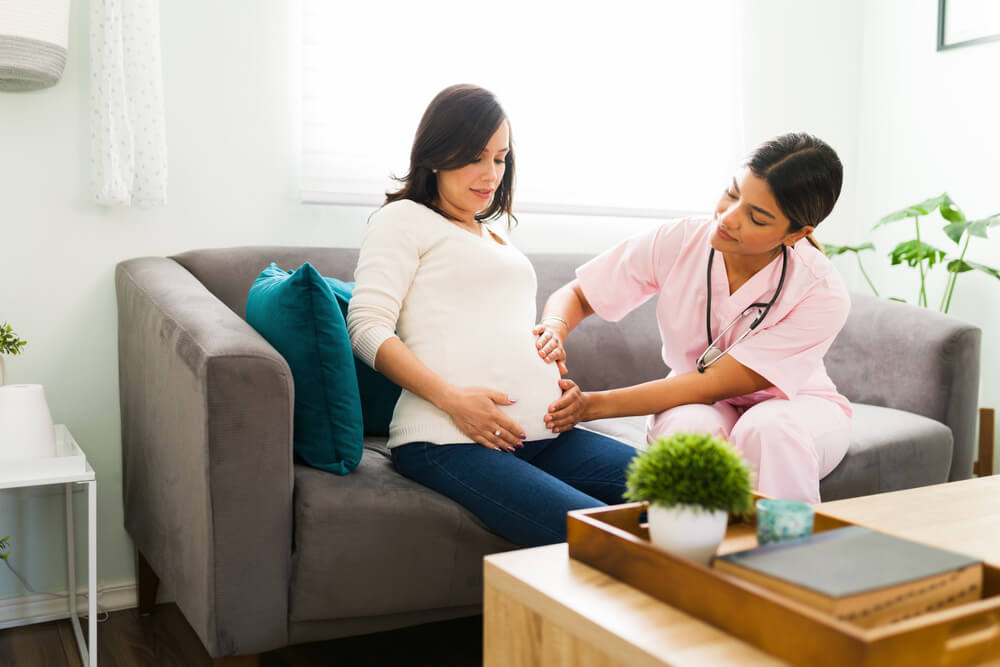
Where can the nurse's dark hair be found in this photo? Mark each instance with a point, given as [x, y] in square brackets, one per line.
[804, 174]
[453, 132]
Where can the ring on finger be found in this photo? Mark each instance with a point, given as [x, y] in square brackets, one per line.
[497, 433]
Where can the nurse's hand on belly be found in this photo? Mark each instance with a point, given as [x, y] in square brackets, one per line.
[474, 411]
[567, 410]
[549, 340]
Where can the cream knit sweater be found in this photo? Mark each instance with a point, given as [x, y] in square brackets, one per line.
[463, 303]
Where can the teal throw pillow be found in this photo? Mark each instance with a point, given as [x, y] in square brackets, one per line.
[298, 314]
[378, 393]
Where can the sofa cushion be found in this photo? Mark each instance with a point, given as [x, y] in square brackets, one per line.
[377, 543]
[298, 315]
[889, 450]
[378, 393]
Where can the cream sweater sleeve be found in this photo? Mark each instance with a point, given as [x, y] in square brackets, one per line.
[387, 263]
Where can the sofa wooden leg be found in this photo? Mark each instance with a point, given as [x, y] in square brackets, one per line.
[238, 661]
[147, 583]
[984, 466]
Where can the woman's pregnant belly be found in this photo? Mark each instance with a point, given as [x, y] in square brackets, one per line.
[508, 362]
[535, 385]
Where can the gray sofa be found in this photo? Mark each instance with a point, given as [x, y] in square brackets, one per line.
[259, 552]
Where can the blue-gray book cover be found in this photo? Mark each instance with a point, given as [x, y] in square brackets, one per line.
[848, 561]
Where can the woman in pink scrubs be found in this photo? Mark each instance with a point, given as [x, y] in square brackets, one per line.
[765, 388]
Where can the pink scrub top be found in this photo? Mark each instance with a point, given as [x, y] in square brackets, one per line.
[671, 262]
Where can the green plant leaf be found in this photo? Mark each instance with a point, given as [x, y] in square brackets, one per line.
[955, 230]
[950, 210]
[832, 250]
[913, 252]
[958, 266]
[691, 469]
[974, 227]
[963, 265]
[896, 298]
[9, 341]
[916, 210]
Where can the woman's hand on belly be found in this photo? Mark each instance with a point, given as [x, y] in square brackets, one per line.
[568, 410]
[474, 411]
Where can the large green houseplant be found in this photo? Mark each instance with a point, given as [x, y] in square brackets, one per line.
[692, 482]
[917, 253]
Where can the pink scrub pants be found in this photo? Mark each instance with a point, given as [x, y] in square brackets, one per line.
[790, 444]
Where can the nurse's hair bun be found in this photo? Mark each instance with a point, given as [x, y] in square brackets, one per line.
[804, 174]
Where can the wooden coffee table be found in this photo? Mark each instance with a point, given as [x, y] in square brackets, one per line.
[543, 608]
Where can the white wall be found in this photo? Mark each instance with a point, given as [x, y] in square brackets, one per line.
[929, 124]
[800, 72]
[230, 74]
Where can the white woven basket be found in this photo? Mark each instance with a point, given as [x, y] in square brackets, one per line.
[34, 36]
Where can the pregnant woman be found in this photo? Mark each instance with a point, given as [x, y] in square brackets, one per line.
[444, 306]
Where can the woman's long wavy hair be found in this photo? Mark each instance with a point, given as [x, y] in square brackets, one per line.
[453, 132]
[804, 174]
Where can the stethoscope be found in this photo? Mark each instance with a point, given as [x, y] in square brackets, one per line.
[712, 353]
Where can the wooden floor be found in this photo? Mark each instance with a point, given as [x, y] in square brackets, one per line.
[164, 638]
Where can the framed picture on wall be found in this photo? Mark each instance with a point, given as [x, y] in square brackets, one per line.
[967, 22]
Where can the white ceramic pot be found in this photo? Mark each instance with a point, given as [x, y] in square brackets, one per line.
[689, 531]
[26, 429]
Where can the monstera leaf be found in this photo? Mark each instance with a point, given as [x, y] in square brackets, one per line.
[963, 265]
[974, 227]
[949, 210]
[913, 252]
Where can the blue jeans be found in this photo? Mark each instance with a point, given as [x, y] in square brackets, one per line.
[523, 496]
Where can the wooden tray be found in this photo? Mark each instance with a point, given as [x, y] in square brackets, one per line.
[612, 540]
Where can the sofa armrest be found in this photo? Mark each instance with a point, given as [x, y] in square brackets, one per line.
[900, 356]
[206, 408]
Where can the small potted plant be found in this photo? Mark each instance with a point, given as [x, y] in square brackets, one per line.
[9, 344]
[692, 482]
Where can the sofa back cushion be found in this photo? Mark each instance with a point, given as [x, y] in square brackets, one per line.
[228, 273]
[601, 354]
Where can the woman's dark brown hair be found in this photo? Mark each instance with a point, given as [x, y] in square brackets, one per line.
[453, 132]
[804, 174]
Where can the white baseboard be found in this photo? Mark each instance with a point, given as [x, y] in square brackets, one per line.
[38, 608]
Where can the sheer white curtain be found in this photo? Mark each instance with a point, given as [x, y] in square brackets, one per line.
[128, 135]
[616, 107]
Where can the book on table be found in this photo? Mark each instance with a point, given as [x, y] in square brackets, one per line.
[860, 575]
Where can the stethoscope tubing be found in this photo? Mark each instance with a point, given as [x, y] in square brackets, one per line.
[700, 364]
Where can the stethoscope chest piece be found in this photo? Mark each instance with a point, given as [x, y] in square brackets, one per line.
[710, 355]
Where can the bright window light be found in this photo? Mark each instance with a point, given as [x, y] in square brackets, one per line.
[626, 107]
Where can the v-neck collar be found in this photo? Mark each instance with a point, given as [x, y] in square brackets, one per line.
[747, 293]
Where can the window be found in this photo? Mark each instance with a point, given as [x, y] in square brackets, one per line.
[625, 107]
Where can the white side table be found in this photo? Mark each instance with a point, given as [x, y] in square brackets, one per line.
[68, 468]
